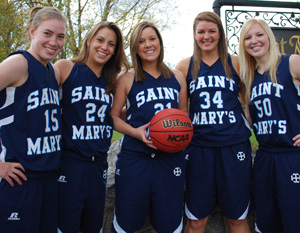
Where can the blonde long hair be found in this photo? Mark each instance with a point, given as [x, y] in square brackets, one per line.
[222, 44]
[136, 60]
[248, 63]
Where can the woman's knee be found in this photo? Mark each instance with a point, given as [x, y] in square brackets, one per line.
[198, 224]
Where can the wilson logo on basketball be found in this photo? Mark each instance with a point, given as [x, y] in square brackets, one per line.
[175, 123]
[178, 138]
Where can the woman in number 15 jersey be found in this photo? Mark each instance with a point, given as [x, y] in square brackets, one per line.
[30, 128]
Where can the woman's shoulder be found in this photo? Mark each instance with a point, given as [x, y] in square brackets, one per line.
[183, 65]
[14, 71]
[179, 76]
[125, 76]
[177, 72]
[234, 59]
[125, 81]
[65, 67]
[235, 63]
[18, 59]
[294, 65]
[294, 59]
[64, 64]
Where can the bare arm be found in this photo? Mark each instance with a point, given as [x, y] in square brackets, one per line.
[294, 63]
[183, 103]
[123, 87]
[235, 63]
[242, 93]
[65, 67]
[243, 101]
[13, 73]
[295, 68]
[183, 66]
[57, 74]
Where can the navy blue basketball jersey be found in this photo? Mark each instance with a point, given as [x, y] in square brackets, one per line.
[144, 100]
[275, 109]
[87, 124]
[30, 120]
[215, 109]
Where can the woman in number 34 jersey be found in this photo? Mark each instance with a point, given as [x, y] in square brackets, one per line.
[219, 156]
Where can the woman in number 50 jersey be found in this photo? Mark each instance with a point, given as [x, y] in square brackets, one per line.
[273, 94]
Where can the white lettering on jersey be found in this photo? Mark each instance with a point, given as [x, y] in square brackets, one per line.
[91, 132]
[265, 127]
[212, 118]
[152, 94]
[43, 145]
[90, 93]
[46, 96]
[266, 89]
[211, 81]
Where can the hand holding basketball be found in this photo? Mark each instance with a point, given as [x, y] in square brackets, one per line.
[171, 130]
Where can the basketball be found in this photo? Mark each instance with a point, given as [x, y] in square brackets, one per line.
[171, 130]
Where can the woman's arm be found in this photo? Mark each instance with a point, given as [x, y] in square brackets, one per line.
[294, 64]
[235, 63]
[13, 71]
[183, 99]
[65, 67]
[124, 84]
[183, 66]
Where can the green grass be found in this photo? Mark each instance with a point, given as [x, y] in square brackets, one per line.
[116, 136]
[254, 143]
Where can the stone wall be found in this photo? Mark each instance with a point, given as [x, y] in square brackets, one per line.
[216, 223]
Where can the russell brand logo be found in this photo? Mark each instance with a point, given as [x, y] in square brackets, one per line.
[14, 216]
[62, 179]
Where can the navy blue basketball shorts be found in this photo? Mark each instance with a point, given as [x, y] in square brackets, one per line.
[31, 207]
[218, 175]
[154, 185]
[277, 191]
[82, 189]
